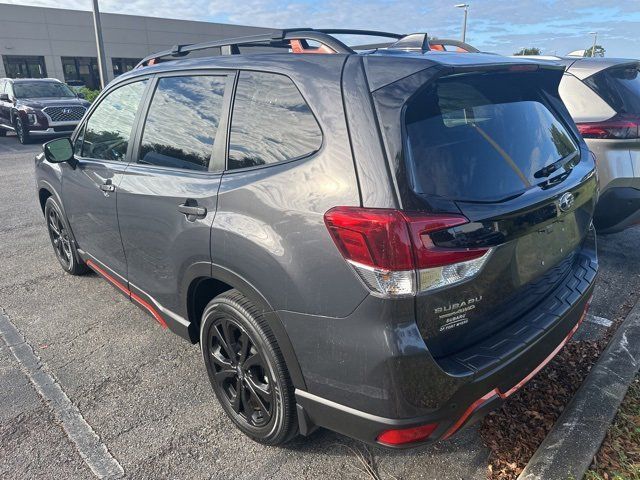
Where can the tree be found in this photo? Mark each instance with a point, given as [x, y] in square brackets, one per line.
[599, 51]
[529, 51]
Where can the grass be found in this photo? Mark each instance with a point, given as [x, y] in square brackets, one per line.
[619, 455]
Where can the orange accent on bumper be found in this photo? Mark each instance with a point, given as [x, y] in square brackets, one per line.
[495, 392]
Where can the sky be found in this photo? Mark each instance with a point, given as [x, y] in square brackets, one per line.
[500, 26]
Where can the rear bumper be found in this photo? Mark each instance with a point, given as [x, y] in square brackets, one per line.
[618, 208]
[495, 369]
[466, 407]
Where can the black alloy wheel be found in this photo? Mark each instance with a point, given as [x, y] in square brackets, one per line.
[241, 373]
[59, 238]
[246, 369]
[21, 132]
[62, 240]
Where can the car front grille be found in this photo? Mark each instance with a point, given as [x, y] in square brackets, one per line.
[64, 114]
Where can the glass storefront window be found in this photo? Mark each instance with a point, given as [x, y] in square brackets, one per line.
[84, 69]
[123, 65]
[21, 66]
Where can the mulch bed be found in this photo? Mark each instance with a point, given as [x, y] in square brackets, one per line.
[514, 432]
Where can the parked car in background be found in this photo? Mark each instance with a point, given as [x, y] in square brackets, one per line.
[385, 244]
[38, 107]
[603, 97]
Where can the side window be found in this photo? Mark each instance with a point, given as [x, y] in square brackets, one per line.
[271, 122]
[108, 130]
[182, 122]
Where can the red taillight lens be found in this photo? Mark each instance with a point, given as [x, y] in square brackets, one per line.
[406, 435]
[394, 240]
[619, 127]
[374, 237]
[427, 255]
[393, 253]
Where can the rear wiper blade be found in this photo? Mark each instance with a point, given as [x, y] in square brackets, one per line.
[549, 169]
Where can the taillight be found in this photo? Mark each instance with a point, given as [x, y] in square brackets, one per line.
[621, 126]
[393, 253]
[406, 435]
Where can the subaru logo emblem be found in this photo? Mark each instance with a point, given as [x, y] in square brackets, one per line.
[66, 110]
[566, 201]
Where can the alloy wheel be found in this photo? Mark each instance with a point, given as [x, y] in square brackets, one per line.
[20, 130]
[241, 373]
[59, 238]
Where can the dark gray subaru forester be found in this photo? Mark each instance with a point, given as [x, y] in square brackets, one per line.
[387, 242]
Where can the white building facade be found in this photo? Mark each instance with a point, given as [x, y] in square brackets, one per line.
[48, 42]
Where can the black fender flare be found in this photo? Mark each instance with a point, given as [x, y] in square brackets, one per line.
[222, 274]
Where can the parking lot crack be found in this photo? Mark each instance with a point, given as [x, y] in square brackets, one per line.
[88, 444]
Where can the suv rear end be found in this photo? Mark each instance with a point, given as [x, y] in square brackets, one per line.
[473, 238]
[603, 96]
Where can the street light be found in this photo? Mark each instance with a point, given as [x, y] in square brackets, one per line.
[595, 39]
[464, 24]
[102, 60]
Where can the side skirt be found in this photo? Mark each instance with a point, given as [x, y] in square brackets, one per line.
[164, 317]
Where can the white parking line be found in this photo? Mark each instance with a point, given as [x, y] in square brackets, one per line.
[605, 322]
[91, 449]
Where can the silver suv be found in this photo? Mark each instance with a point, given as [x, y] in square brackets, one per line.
[603, 97]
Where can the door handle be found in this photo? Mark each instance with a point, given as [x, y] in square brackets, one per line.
[191, 209]
[108, 186]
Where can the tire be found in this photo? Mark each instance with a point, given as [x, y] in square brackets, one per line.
[246, 369]
[3, 132]
[61, 239]
[22, 132]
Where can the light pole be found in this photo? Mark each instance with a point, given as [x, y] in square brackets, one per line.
[102, 60]
[595, 39]
[464, 23]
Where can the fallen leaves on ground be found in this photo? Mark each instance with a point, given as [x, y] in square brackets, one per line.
[619, 455]
[514, 432]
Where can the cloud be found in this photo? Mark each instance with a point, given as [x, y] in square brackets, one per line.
[495, 25]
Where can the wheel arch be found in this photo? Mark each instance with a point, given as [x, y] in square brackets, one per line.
[204, 282]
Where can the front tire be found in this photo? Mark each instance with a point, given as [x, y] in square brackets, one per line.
[246, 369]
[61, 239]
[22, 132]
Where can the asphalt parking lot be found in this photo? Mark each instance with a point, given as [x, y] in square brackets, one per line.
[144, 392]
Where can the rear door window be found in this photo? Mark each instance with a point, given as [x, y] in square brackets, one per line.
[182, 122]
[482, 137]
[619, 87]
[271, 122]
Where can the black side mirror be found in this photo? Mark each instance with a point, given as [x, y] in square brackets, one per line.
[59, 150]
[80, 95]
[4, 97]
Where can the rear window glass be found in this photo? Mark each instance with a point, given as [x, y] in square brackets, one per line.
[482, 137]
[271, 122]
[619, 87]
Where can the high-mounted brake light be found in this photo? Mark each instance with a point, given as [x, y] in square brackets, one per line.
[622, 126]
[393, 253]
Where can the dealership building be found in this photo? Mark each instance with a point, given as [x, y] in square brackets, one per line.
[49, 42]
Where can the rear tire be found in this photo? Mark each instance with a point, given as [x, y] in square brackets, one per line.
[61, 239]
[246, 369]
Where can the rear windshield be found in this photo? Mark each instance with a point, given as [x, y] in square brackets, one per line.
[483, 137]
[619, 87]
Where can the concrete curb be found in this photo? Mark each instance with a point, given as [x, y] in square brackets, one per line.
[569, 448]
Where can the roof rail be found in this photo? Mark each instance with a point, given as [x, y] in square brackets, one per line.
[415, 42]
[274, 38]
